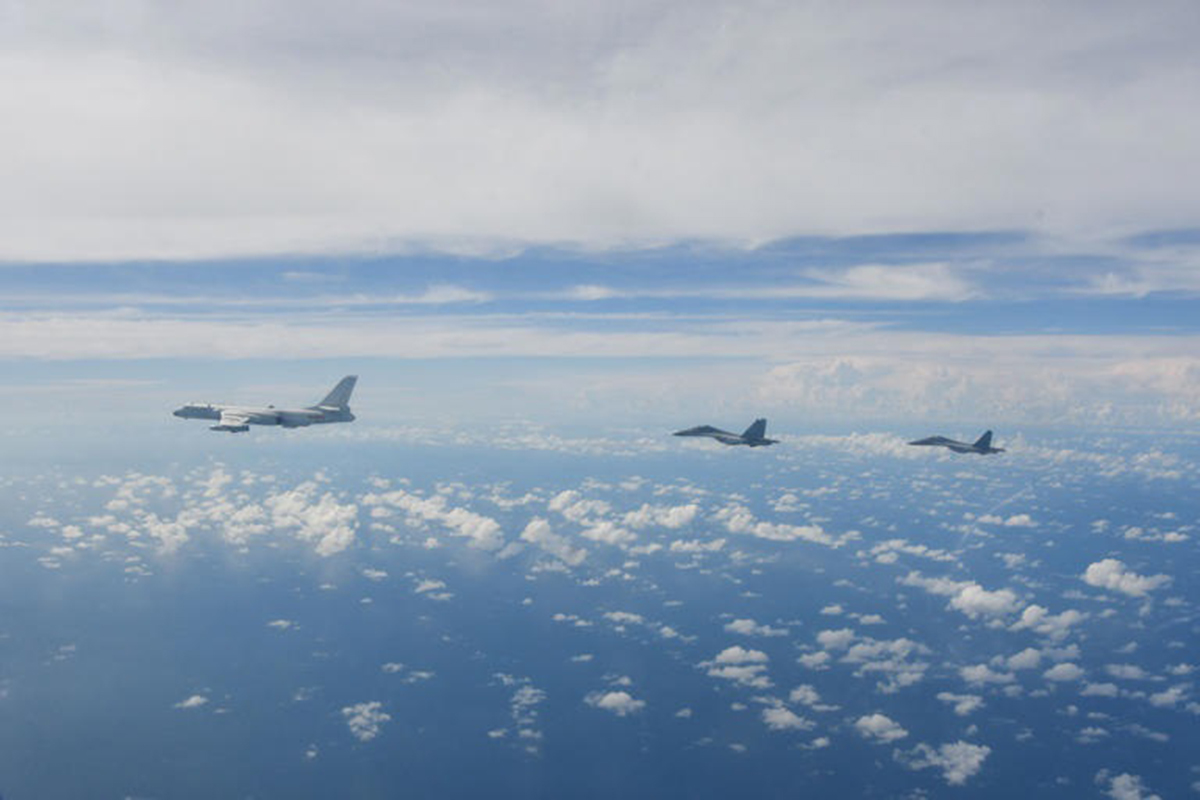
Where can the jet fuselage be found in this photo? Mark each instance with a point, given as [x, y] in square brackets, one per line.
[753, 437]
[981, 447]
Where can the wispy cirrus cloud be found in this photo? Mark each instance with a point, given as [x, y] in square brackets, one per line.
[937, 281]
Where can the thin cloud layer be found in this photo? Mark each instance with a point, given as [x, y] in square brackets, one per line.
[268, 127]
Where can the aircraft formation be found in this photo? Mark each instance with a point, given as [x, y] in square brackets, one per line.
[755, 436]
[335, 407]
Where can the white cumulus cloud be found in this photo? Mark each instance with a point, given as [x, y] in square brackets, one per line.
[1111, 573]
[778, 718]
[749, 627]
[194, 701]
[879, 728]
[365, 720]
[620, 703]
[1126, 787]
[1061, 673]
[958, 761]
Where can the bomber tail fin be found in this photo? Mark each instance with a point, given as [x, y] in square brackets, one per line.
[756, 431]
[985, 441]
[339, 396]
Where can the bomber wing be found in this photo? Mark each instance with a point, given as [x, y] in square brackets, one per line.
[233, 421]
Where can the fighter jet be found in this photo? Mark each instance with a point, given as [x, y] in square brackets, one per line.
[754, 436]
[982, 446]
[238, 419]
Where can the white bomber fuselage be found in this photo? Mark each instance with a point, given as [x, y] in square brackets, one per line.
[238, 419]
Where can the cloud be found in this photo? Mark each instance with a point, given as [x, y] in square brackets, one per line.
[808, 696]
[1014, 521]
[967, 596]
[893, 374]
[672, 517]
[317, 151]
[1145, 278]
[963, 704]
[896, 660]
[696, 546]
[365, 720]
[975, 601]
[323, 520]
[740, 655]
[194, 701]
[880, 728]
[1130, 672]
[620, 703]
[537, 531]
[815, 661]
[833, 374]
[523, 708]
[888, 552]
[778, 718]
[1169, 698]
[741, 666]
[1029, 658]
[888, 282]
[572, 505]
[958, 761]
[1064, 672]
[1111, 573]
[1056, 627]
[607, 532]
[980, 674]
[754, 675]
[480, 531]
[1125, 786]
[739, 519]
[748, 627]
[838, 639]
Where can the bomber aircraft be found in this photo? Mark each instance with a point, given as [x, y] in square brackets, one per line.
[238, 419]
[754, 436]
[982, 445]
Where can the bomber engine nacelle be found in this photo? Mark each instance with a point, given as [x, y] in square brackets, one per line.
[230, 428]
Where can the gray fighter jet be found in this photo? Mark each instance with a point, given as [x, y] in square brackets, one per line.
[754, 436]
[238, 419]
[982, 446]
